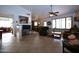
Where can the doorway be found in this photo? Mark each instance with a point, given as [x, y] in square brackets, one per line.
[35, 26]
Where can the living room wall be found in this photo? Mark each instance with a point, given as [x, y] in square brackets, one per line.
[14, 11]
[65, 15]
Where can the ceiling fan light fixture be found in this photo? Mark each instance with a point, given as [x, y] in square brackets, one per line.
[51, 13]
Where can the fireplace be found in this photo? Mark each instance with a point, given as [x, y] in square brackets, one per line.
[26, 29]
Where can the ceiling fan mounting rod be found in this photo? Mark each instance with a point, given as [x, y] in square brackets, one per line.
[51, 7]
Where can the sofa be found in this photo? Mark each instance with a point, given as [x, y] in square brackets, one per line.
[71, 40]
[43, 31]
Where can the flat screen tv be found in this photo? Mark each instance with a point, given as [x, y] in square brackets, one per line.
[23, 19]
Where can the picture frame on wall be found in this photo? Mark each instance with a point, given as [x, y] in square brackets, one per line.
[49, 23]
[76, 19]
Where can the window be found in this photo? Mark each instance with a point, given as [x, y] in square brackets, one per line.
[58, 25]
[68, 22]
[5, 22]
[53, 23]
[62, 23]
[35, 23]
[45, 23]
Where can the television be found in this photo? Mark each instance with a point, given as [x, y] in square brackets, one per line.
[23, 19]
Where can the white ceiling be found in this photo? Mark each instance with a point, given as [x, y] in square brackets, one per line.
[43, 10]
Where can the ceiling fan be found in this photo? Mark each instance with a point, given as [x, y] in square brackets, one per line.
[51, 13]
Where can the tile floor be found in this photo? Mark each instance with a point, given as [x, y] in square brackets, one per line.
[32, 43]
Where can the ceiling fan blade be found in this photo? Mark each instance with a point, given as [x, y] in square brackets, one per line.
[56, 12]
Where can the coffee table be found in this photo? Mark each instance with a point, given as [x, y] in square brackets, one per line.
[57, 34]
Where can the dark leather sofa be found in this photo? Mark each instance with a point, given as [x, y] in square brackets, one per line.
[43, 31]
[71, 48]
[66, 44]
